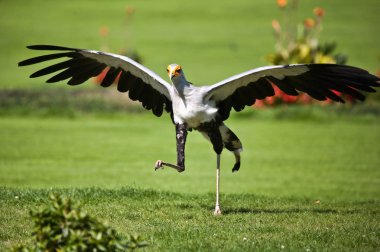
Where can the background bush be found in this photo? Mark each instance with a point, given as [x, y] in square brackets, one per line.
[63, 226]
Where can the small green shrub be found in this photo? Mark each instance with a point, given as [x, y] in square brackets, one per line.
[63, 226]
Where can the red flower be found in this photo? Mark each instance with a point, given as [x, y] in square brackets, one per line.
[319, 12]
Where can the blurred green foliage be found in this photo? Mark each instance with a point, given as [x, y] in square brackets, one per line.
[210, 39]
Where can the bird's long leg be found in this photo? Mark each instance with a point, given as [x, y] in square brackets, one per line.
[181, 134]
[211, 130]
[217, 206]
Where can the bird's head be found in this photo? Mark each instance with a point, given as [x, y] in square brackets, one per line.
[174, 71]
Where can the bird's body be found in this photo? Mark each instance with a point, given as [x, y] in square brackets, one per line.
[203, 108]
[193, 110]
[189, 107]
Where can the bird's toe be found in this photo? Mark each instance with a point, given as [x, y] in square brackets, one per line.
[217, 211]
[236, 167]
[158, 165]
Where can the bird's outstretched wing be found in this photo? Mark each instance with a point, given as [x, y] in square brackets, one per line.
[317, 80]
[80, 65]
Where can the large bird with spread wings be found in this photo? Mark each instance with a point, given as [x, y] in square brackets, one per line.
[202, 108]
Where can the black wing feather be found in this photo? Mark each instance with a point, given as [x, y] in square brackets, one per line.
[136, 89]
[43, 58]
[264, 86]
[51, 48]
[83, 64]
[305, 85]
[53, 68]
[287, 88]
[317, 80]
[124, 84]
[110, 77]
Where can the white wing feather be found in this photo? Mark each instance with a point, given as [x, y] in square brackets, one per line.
[127, 64]
[223, 89]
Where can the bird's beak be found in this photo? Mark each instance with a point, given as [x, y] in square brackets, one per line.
[173, 72]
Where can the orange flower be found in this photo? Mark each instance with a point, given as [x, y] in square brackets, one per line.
[282, 3]
[103, 31]
[129, 10]
[309, 23]
[319, 12]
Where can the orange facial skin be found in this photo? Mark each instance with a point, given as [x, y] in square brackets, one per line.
[174, 70]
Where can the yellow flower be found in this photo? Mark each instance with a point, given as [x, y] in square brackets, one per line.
[304, 51]
[324, 59]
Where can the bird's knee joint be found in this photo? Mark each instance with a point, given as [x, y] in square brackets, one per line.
[181, 169]
[218, 149]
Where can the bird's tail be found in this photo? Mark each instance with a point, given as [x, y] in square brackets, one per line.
[232, 143]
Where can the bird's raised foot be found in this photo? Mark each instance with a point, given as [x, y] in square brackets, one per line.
[160, 165]
[217, 211]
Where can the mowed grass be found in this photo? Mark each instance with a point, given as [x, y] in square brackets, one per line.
[178, 222]
[314, 159]
[107, 164]
[210, 39]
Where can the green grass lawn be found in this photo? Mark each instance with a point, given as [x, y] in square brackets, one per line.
[287, 165]
[178, 222]
[210, 39]
[313, 159]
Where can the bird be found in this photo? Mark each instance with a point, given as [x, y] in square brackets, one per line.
[202, 108]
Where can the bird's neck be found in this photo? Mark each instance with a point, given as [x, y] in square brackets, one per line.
[181, 86]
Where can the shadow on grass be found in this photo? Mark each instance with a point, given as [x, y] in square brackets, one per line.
[288, 211]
